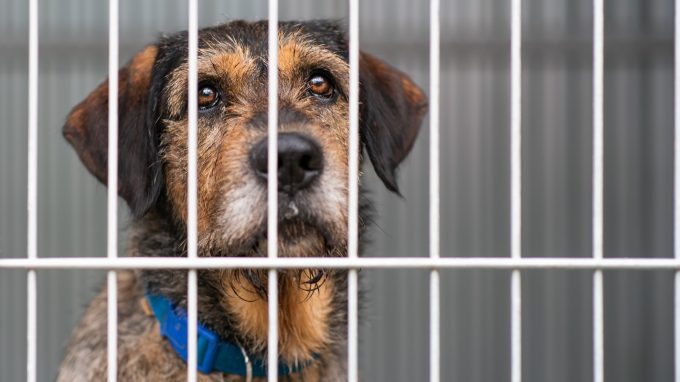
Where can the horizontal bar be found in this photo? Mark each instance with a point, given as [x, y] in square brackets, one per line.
[341, 263]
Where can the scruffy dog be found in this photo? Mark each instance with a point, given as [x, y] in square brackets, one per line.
[232, 198]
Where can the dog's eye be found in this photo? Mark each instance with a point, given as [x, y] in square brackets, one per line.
[320, 85]
[208, 97]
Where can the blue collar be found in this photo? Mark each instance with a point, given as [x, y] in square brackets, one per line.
[214, 354]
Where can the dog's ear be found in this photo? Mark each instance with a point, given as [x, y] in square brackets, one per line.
[86, 129]
[392, 109]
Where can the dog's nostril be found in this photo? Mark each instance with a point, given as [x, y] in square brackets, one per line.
[300, 161]
[311, 163]
[304, 162]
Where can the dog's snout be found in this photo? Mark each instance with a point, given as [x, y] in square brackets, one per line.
[300, 161]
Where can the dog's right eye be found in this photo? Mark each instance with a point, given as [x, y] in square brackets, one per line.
[208, 97]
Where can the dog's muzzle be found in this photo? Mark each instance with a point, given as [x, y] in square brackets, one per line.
[300, 161]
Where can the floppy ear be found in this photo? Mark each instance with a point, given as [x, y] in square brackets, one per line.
[392, 108]
[86, 129]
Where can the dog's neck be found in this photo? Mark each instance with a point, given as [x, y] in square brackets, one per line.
[310, 321]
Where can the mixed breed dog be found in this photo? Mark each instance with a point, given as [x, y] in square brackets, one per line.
[232, 198]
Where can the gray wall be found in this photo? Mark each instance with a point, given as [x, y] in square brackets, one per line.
[475, 181]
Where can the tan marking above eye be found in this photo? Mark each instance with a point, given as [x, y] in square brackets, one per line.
[207, 97]
[320, 85]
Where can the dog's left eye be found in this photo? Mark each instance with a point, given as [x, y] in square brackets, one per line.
[320, 85]
[208, 97]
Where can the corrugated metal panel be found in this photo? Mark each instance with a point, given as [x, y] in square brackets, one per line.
[475, 181]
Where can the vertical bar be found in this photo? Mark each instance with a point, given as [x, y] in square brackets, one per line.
[192, 193]
[516, 190]
[32, 324]
[272, 190]
[353, 221]
[516, 326]
[112, 196]
[434, 191]
[32, 202]
[598, 187]
[676, 190]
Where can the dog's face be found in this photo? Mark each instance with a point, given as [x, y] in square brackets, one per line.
[232, 130]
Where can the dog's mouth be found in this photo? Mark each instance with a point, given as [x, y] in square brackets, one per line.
[299, 235]
[297, 238]
[306, 228]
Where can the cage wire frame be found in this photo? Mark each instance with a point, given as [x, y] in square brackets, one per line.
[434, 262]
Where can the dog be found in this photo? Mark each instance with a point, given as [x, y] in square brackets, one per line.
[232, 198]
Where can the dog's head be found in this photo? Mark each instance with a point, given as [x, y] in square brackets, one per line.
[232, 133]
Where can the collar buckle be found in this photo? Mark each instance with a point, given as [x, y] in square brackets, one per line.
[207, 346]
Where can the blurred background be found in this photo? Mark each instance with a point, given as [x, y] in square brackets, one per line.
[475, 123]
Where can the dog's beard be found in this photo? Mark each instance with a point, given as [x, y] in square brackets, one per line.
[308, 220]
[296, 238]
[306, 228]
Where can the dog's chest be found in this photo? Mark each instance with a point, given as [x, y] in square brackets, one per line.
[303, 319]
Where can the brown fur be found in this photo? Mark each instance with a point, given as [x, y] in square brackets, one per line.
[143, 355]
[232, 200]
[303, 319]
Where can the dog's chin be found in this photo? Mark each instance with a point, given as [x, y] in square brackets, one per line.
[296, 238]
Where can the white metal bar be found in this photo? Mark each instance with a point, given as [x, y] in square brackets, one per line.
[516, 325]
[435, 315]
[676, 190]
[192, 194]
[273, 314]
[516, 190]
[32, 324]
[677, 320]
[32, 202]
[272, 190]
[598, 326]
[112, 196]
[112, 325]
[598, 187]
[192, 323]
[353, 205]
[435, 320]
[641, 264]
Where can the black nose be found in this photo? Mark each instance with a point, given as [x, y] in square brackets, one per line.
[300, 161]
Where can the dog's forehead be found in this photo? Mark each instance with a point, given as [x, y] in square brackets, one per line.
[238, 51]
[254, 35]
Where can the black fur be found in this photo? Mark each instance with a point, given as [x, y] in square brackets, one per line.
[386, 116]
[391, 111]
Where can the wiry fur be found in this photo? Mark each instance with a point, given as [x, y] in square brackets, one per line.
[232, 200]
